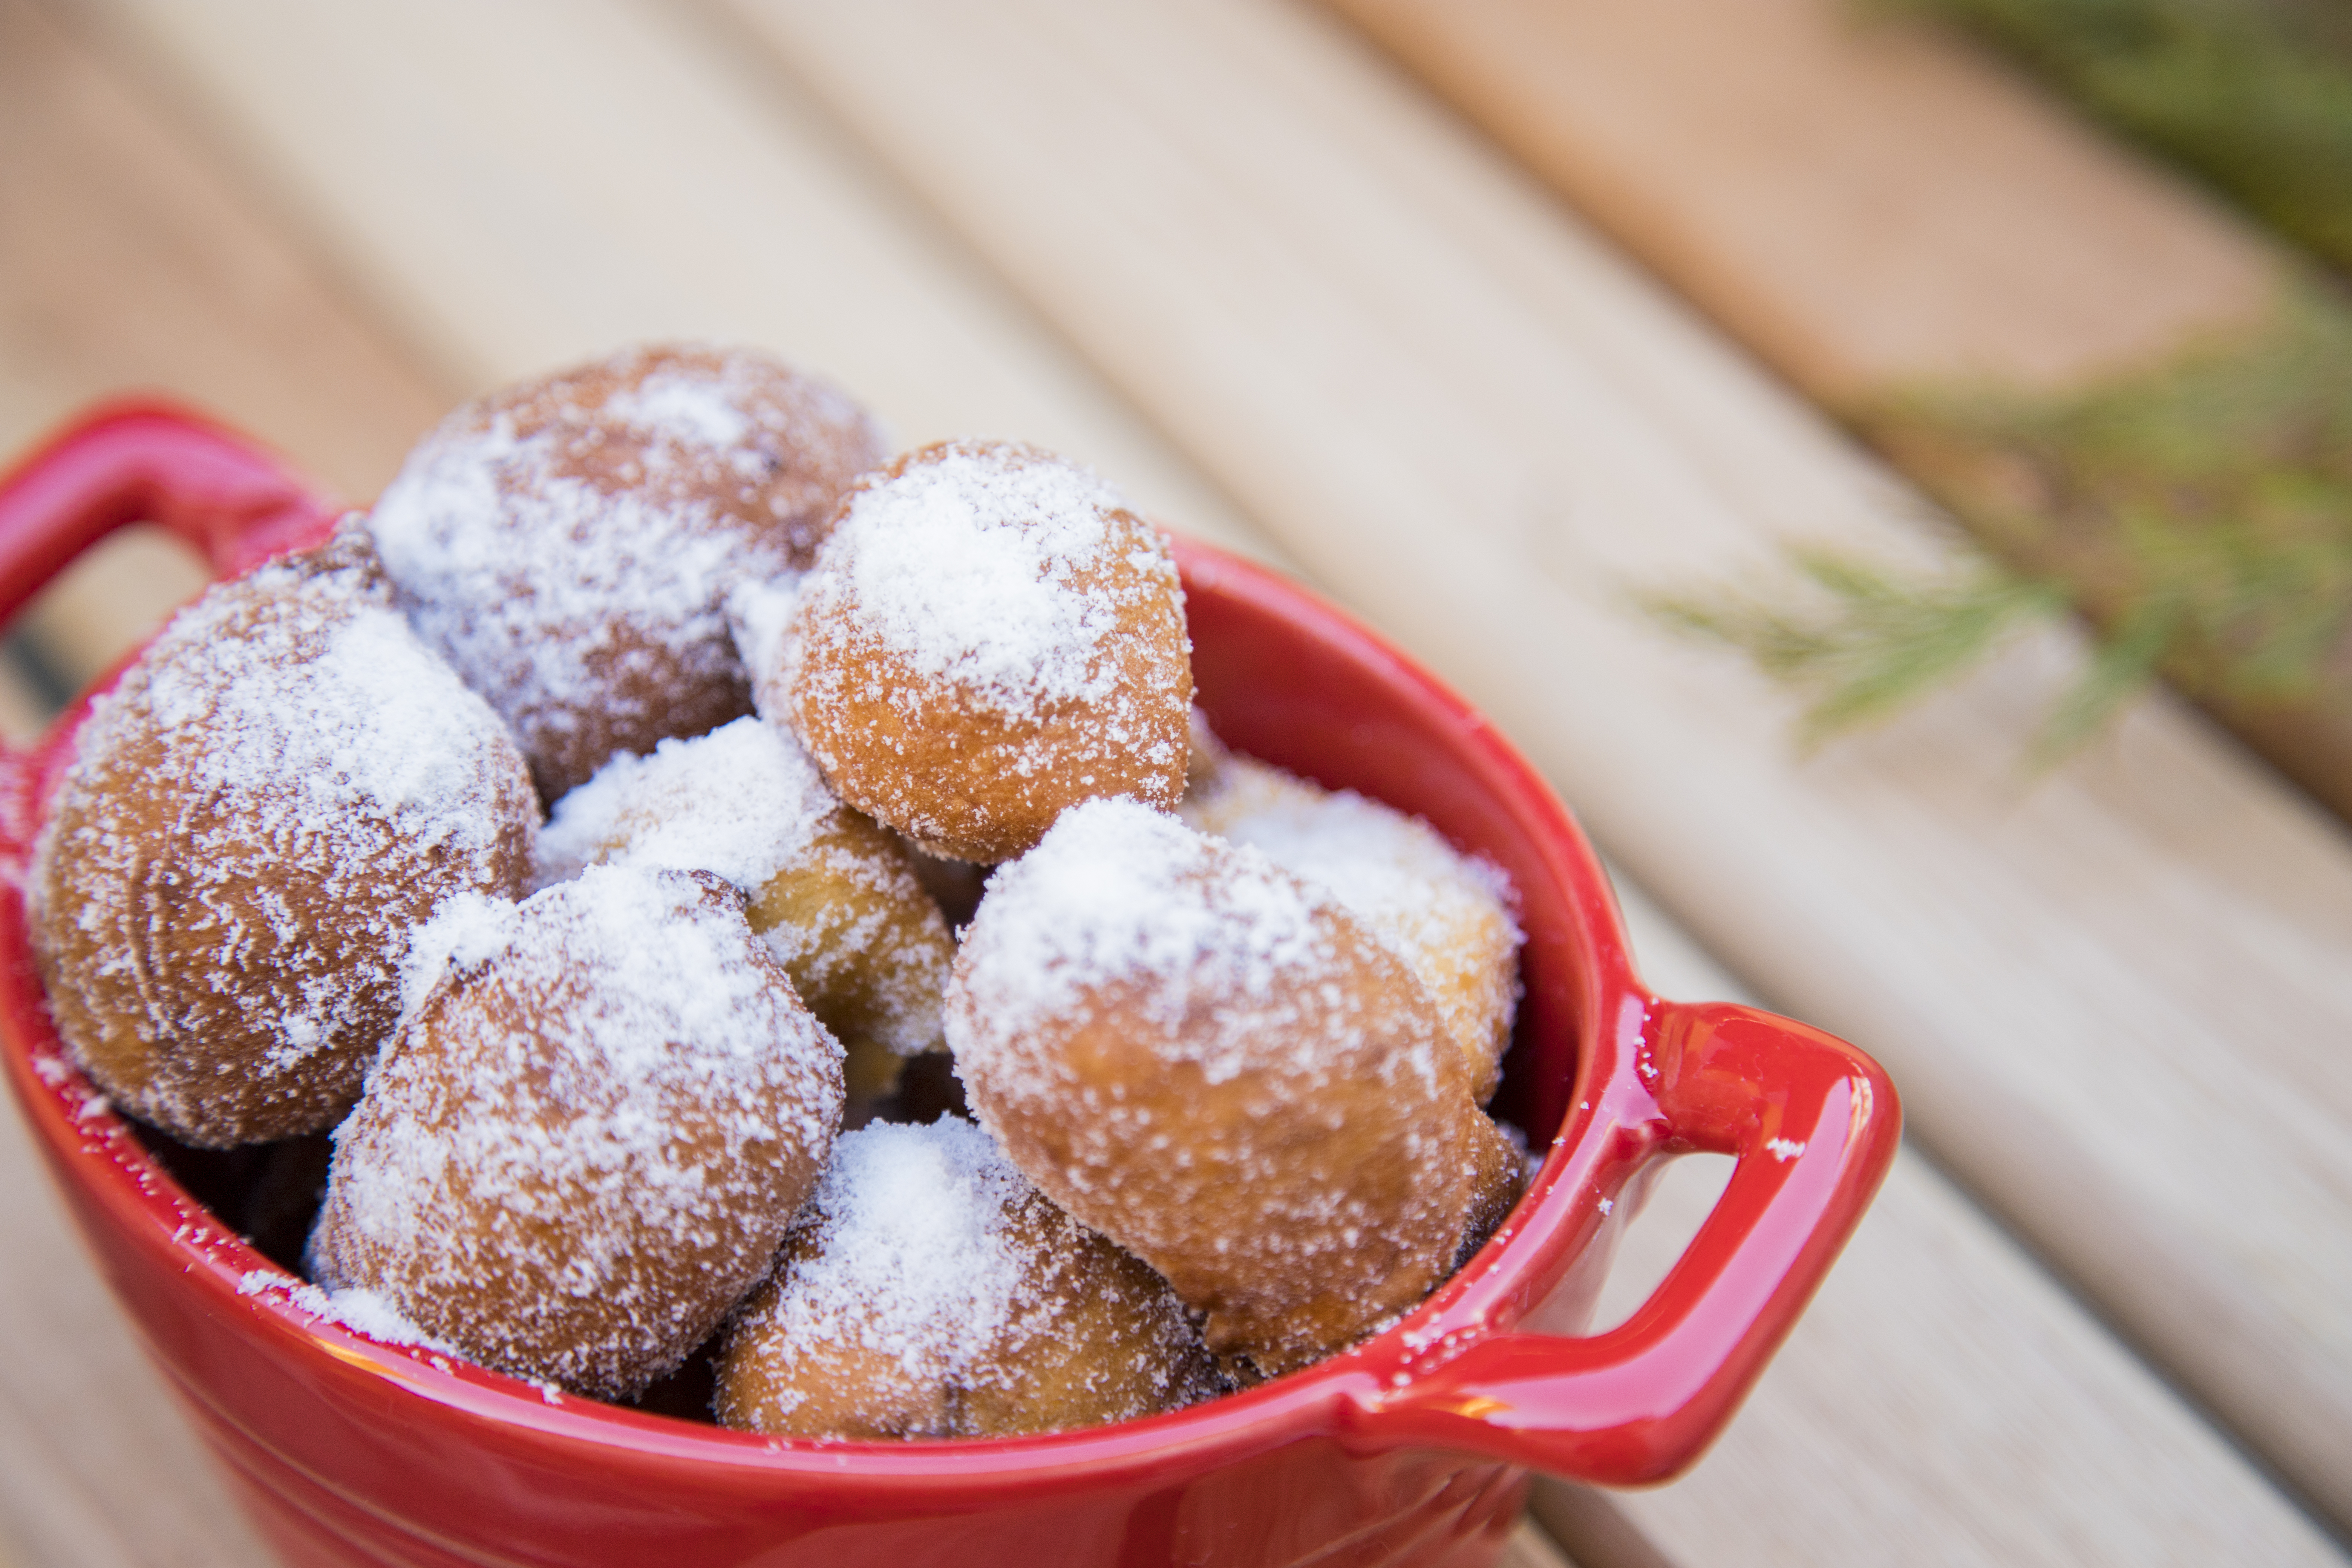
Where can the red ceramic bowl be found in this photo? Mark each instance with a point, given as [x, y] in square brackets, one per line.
[1410, 1449]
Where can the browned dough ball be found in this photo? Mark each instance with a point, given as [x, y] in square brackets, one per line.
[1446, 914]
[837, 896]
[584, 1145]
[988, 637]
[569, 543]
[1218, 1068]
[283, 784]
[928, 1290]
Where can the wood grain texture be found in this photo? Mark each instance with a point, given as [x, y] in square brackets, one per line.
[98, 1467]
[131, 264]
[1529, 1547]
[1869, 204]
[1656, 391]
[2114, 996]
[127, 265]
[526, 185]
[1883, 213]
[1943, 1401]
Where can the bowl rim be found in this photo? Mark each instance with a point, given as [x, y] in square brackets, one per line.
[1486, 1366]
[145, 1199]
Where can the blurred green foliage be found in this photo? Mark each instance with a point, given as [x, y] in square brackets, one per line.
[2198, 516]
[2255, 96]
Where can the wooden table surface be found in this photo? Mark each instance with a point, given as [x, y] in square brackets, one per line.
[1248, 265]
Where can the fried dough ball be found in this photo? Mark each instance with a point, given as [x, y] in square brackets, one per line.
[988, 637]
[928, 1290]
[1446, 913]
[568, 543]
[584, 1145]
[1221, 1069]
[836, 896]
[284, 784]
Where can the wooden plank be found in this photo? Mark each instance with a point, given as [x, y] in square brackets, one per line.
[1943, 1401]
[97, 1468]
[1869, 205]
[128, 266]
[213, 68]
[2114, 999]
[1529, 1547]
[1882, 212]
[131, 266]
[525, 185]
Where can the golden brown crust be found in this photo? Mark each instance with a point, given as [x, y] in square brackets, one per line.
[568, 543]
[836, 896]
[922, 723]
[223, 894]
[1032, 1323]
[1447, 915]
[1277, 1119]
[583, 1148]
[867, 948]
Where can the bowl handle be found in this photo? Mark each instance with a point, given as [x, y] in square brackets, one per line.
[121, 463]
[144, 461]
[1814, 1123]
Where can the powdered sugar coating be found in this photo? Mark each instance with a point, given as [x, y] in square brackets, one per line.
[467, 929]
[283, 784]
[1119, 896]
[927, 1289]
[909, 1254]
[836, 899]
[583, 1148]
[989, 636]
[1217, 1067]
[569, 543]
[1446, 913]
[761, 616]
[968, 568]
[741, 801]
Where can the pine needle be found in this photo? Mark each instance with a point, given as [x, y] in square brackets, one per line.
[2198, 516]
[1866, 643]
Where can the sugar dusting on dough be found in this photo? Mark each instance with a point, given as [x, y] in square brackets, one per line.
[1447, 913]
[1216, 1066]
[1121, 895]
[580, 1198]
[1213, 943]
[740, 801]
[929, 1289]
[909, 1251]
[848, 916]
[569, 544]
[987, 637]
[524, 576]
[760, 614]
[315, 769]
[967, 567]
[329, 709]
[467, 929]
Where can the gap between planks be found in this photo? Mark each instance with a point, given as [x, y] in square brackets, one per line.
[1871, 203]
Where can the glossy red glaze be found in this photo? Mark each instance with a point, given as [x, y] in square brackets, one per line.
[1412, 1448]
